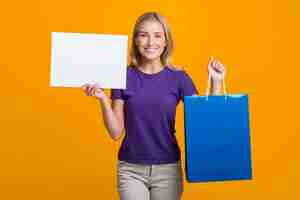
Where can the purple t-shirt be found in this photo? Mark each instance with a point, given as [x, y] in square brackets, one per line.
[150, 102]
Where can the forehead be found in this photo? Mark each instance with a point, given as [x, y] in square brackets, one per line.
[151, 26]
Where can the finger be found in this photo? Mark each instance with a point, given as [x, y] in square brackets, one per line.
[214, 64]
[85, 89]
[217, 60]
[219, 63]
[84, 86]
[210, 61]
[94, 89]
[220, 68]
[90, 90]
[97, 91]
[89, 87]
[98, 85]
[93, 92]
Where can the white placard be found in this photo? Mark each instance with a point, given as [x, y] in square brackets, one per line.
[79, 58]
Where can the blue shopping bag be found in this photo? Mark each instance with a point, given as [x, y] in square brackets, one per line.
[217, 138]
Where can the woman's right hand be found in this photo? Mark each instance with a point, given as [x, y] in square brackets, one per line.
[93, 90]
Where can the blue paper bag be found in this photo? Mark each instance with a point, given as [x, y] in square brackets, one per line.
[217, 138]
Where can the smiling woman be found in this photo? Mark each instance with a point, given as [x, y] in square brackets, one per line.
[150, 40]
[152, 33]
[149, 163]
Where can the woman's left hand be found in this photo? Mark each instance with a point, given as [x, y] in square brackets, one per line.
[216, 69]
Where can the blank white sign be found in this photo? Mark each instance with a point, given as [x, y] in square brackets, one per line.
[78, 58]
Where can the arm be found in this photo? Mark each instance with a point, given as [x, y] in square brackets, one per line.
[216, 87]
[113, 116]
[217, 71]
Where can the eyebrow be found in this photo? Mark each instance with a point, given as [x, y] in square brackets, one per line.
[147, 32]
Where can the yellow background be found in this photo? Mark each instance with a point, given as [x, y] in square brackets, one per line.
[53, 143]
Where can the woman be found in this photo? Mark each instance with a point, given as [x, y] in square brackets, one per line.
[149, 164]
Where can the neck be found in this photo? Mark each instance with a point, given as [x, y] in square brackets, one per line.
[152, 66]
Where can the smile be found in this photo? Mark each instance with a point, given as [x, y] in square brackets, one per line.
[151, 49]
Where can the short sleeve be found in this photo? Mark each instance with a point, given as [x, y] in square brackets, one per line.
[187, 87]
[117, 94]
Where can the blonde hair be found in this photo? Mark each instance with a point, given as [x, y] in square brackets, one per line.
[165, 56]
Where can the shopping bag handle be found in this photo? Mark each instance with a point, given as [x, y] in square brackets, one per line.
[209, 86]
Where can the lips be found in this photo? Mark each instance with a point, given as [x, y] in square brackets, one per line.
[151, 50]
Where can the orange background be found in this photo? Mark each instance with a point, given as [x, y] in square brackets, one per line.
[53, 143]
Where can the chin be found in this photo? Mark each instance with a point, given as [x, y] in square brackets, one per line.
[151, 57]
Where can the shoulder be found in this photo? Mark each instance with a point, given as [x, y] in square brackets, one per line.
[175, 68]
[131, 71]
[178, 71]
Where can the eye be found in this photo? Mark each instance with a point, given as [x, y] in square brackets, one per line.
[141, 35]
[158, 36]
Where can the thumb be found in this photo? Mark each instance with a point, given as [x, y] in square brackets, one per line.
[98, 85]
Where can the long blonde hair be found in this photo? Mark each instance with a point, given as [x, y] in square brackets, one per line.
[135, 55]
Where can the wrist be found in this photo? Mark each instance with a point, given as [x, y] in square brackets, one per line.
[216, 81]
[216, 87]
[216, 92]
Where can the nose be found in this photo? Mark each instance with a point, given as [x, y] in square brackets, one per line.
[150, 40]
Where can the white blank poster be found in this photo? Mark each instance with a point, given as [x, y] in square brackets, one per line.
[78, 58]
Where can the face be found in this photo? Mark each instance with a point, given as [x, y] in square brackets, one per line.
[150, 40]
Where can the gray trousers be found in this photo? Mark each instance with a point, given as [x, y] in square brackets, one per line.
[149, 182]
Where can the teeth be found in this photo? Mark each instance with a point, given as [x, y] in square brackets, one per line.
[150, 49]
